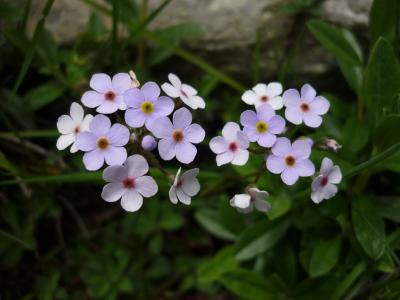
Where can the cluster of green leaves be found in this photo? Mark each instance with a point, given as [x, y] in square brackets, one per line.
[59, 240]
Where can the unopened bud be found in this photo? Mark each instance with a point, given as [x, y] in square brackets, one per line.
[135, 82]
[149, 143]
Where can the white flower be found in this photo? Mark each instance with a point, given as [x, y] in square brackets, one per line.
[129, 183]
[264, 94]
[177, 89]
[323, 186]
[70, 125]
[185, 186]
[253, 198]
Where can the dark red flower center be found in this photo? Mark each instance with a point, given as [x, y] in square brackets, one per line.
[128, 183]
[233, 146]
[77, 129]
[264, 99]
[102, 143]
[177, 135]
[110, 96]
[184, 94]
[324, 181]
[179, 183]
[304, 107]
[290, 160]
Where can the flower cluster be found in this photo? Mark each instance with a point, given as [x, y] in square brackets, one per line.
[144, 126]
[264, 126]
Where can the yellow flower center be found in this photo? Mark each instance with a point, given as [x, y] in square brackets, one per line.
[102, 143]
[147, 107]
[261, 126]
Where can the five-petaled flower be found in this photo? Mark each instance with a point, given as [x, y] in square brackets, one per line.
[71, 125]
[253, 198]
[290, 160]
[305, 106]
[262, 126]
[108, 94]
[103, 142]
[129, 183]
[184, 187]
[264, 94]
[231, 146]
[177, 137]
[323, 186]
[145, 105]
[177, 89]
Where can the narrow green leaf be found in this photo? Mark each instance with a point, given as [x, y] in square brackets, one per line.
[381, 81]
[63, 178]
[43, 95]
[280, 205]
[382, 19]
[384, 136]
[368, 227]
[348, 281]
[210, 220]
[324, 257]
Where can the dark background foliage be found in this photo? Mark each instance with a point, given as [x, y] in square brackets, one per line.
[60, 240]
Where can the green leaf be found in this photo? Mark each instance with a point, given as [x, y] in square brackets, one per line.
[384, 136]
[171, 220]
[368, 227]
[386, 264]
[355, 134]
[280, 205]
[212, 269]
[340, 42]
[324, 257]
[382, 19]
[248, 285]
[381, 81]
[43, 95]
[210, 220]
[348, 281]
[259, 238]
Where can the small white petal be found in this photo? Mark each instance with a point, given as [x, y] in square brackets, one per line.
[172, 195]
[65, 140]
[131, 200]
[241, 200]
[183, 197]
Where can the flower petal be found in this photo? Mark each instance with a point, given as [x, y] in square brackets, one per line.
[249, 97]
[230, 130]
[276, 125]
[185, 152]
[294, 115]
[100, 82]
[267, 140]
[172, 195]
[320, 105]
[176, 82]
[65, 140]
[275, 164]
[305, 168]
[274, 89]
[115, 173]
[137, 165]
[76, 112]
[308, 93]
[108, 107]
[190, 184]
[242, 140]
[92, 99]
[276, 102]
[224, 158]
[184, 198]
[166, 148]
[198, 102]
[100, 125]
[301, 149]
[335, 175]
[134, 117]
[218, 144]
[240, 157]
[291, 98]
[248, 118]
[251, 133]
[86, 141]
[131, 200]
[241, 200]
[161, 127]
[265, 112]
[163, 106]
[93, 160]
[262, 205]
[85, 123]
[182, 118]
[326, 166]
[150, 91]
[261, 90]
[118, 135]
[65, 124]
[115, 155]
[282, 147]
[146, 186]
[112, 191]
[194, 133]
[133, 98]
[121, 82]
[170, 90]
[289, 176]
[312, 120]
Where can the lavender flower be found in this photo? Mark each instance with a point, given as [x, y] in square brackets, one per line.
[323, 186]
[103, 142]
[149, 143]
[290, 160]
[178, 137]
[305, 107]
[145, 105]
[254, 197]
[231, 146]
[107, 94]
[185, 186]
[129, 183]
[264, 94]
[262, 126]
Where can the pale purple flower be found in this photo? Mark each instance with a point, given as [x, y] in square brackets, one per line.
[264, 94]
[231, 146]
[263, 125]
[323, 186]
[145, 105]
[177, 89]
[149, 143]
[103, 142]
[107, 94]
[305, 106]
[290, 160]
[253, 198]
[177, 137]
[185, 186]
[330, 144]
[71, 125]
[129, 183]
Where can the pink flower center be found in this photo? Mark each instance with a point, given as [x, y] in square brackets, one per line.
[179, 183]
[264, 99]
[304, 107]
[128, 182]
[233, 146]
[110, 96]
[77, 129]
[324, 181]
[290, 160]
[177, 135]
[184, 94]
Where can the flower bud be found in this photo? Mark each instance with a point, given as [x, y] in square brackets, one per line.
[149, 143]
[331, 144]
